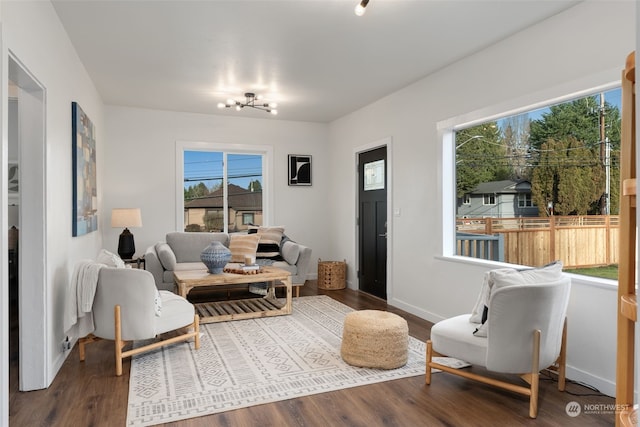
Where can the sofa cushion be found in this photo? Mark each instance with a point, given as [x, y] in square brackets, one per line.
[188, 246]
[286, 266]
[166, 256]
[455, 336]
[242, 245]
[290, 252]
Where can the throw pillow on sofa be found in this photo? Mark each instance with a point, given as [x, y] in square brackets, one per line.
[269, 244]
[242, 245]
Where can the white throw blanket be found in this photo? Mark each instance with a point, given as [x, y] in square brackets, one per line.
[80, 294]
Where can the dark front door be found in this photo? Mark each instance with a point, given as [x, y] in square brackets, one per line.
[372, 229]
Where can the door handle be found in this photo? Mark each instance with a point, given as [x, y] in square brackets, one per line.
[383, 235]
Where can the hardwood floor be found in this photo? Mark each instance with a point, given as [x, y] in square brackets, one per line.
[89, 394]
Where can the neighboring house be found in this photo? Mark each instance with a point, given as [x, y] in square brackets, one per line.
[245, 208]
[498, 199]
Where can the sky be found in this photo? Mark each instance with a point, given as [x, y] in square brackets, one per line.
[206, 166]
[613, 97]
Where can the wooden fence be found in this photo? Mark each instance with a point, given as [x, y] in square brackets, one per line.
[579, 241]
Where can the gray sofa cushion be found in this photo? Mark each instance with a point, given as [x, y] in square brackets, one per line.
[290, 252]
[189, 246]
[166, 256]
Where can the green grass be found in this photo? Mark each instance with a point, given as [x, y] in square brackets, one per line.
[608, 272]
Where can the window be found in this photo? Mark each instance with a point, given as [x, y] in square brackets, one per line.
[561, 163]
[223, 190]
[524, 200]
[488, 199]
[466, 199]
[247, 219]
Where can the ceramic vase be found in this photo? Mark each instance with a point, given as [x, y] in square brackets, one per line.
[215, 257]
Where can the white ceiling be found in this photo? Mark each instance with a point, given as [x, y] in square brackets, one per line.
[315, 58]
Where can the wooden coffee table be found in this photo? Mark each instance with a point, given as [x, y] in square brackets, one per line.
[250, 308]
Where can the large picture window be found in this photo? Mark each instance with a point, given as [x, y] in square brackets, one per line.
[223, 190]
[529, 186]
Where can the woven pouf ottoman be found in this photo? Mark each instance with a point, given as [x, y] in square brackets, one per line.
[375, 339]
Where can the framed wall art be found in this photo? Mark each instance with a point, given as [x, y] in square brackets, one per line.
[85, 191]
[14, 181]
[299, 169]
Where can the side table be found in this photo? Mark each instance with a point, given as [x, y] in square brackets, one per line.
[137, 262]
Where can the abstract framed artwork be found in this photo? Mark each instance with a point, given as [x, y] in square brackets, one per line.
[299, 169]
[85, 191]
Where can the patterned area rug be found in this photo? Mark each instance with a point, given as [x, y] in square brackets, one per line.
[251, 362]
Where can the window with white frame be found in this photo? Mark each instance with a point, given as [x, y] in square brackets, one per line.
[222, 189]
[489, 199]
[567, 154]
[525, 200]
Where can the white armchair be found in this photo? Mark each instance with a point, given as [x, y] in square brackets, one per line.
[526, 333]
[126, 308]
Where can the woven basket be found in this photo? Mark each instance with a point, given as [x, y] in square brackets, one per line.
[332, 274]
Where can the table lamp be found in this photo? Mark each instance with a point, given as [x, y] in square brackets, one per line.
[126, 217]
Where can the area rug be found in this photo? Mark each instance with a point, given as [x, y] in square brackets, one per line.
[252, 362]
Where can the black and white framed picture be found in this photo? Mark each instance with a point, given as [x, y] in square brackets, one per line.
[299, 169]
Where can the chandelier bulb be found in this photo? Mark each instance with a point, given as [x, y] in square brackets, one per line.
[238, 107]
[274, 112]
[221, 105]
[360, 8]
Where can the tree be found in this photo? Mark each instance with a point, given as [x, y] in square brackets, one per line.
[193, 192]
[516, 138]
[567, 178]
[480, 157]
[255, 186]
[587, 123]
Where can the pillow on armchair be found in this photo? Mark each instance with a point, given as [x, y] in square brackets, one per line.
[504, 277]
[109, 259]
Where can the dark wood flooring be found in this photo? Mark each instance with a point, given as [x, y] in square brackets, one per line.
[89, 394]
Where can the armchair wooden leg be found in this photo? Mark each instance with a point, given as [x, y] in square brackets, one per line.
[562, 359]
[535, 375]
[118, 340]
[196, 328]
[427, 375]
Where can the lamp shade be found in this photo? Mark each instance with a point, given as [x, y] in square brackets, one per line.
[126, 217]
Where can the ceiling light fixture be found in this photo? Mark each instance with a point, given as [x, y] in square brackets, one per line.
[250, 101]
[360, 8]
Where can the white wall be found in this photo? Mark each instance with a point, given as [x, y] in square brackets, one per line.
[140, 150]
[33, 33]
[573, 51]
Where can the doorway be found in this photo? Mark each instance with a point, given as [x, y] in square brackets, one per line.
[372, 224]
[26, 192]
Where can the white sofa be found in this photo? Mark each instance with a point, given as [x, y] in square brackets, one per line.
[181, 251]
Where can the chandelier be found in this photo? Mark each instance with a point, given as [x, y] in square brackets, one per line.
[251, 100]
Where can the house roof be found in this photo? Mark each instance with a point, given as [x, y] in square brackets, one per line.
[506, 186]
[240, 199]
